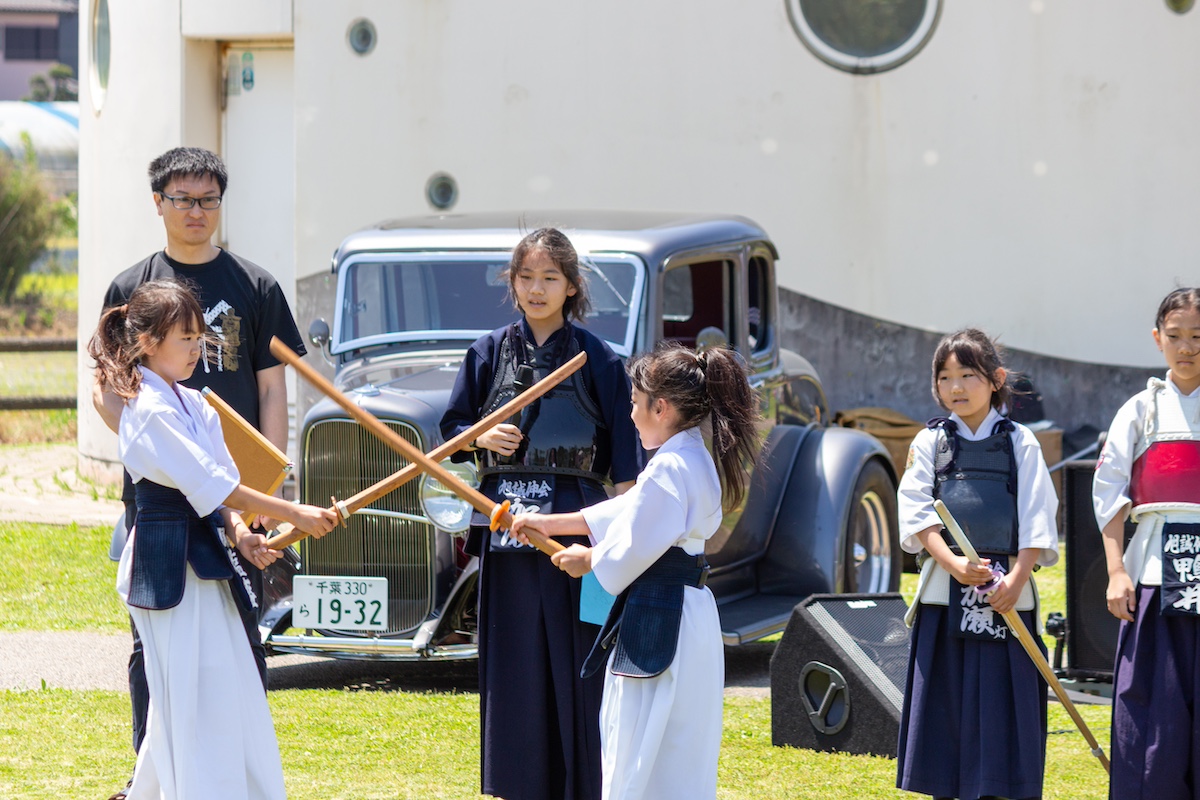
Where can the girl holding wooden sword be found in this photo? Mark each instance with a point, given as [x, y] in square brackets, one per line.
[558, 455]
[974, 716]
[209, 730]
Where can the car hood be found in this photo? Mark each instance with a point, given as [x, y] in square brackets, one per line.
[414, 390]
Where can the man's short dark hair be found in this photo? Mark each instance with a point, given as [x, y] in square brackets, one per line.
[187, 162]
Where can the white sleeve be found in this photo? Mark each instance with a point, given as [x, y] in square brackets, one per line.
[161, 448]
[914, 496]
[601, 516]
[1110, 485]
[652, 520]
[1037, 502]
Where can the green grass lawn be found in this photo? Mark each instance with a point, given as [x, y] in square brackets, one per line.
[37, 374]
[380, 744]
[58, 578]
[360, 745]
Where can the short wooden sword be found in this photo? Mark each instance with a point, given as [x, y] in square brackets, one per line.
[498, 513]
[1024, 637]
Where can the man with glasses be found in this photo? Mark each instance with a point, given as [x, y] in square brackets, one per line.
[243, 306]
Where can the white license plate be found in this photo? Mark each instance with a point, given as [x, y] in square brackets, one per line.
[340, 603]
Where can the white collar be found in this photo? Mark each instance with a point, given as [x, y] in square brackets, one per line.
[983, 431]
[1170, 381]
[682, 440]
[158, 384]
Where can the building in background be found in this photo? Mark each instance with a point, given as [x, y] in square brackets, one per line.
[1026, 167]
[34, 36]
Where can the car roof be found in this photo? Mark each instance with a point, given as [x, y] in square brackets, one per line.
[652, 234]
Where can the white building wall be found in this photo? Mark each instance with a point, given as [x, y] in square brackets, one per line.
[236, 19]
[1033, 170]
[1020, 173]
[141, 117]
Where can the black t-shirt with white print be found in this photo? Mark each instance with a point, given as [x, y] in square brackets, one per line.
[243, 306]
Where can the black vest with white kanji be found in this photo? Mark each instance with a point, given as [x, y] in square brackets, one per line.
[564, 429]
[978, 483]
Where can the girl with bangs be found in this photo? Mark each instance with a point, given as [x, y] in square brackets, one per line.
[974, 717]
[209, 731]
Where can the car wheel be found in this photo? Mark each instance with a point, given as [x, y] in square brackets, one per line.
[873, 554]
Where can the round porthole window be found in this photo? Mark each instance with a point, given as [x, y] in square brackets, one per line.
[864, 36]
[361, 36]
[98, 69]
[441, 190]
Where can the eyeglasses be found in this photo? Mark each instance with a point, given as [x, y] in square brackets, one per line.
[183, 202]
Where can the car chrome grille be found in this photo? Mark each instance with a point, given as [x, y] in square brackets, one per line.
[342, 459]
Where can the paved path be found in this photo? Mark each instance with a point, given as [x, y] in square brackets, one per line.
[41, 483]
[80, 660]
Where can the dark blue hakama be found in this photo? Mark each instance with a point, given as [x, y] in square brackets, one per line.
[974, 718]
[1156, 684]
[540, 721]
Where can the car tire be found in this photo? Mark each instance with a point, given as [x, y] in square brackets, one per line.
[873, 558]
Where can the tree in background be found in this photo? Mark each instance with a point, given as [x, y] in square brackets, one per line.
[61, 85]
[28, 217]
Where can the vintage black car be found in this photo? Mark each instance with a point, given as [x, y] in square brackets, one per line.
[412, 294]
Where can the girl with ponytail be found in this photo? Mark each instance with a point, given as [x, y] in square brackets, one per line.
[208, 730]
[660, 721]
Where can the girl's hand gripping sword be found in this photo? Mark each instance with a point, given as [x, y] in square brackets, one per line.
[497, 512]
[1022, 633]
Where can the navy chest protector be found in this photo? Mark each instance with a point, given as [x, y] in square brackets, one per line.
[564, 429]
[978, 483]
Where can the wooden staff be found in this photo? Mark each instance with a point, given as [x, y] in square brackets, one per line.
[1023, 636]
[497, 512]
[288, 535]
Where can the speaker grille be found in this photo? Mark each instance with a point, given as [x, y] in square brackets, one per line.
[877, 643]
[838, 674]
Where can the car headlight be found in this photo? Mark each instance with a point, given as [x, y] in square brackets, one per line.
[444, 508]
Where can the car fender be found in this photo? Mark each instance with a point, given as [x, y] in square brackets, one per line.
[462, 595]
[806, 554]
[751, 535]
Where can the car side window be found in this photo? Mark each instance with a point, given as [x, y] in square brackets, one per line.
[696, 303]
[758, 304]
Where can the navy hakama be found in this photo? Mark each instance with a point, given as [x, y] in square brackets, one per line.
[1147, 472]
[1155, 744]
[539, 720]
[531, 650]
[979, 705]
[974, 717]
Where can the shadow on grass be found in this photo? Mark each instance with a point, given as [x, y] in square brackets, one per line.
[436, 677]
[747, 668]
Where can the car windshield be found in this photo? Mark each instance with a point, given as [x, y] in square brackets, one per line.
[455, 296]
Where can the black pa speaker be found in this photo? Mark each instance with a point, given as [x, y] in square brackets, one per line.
[1091, 630]
[838, 675]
